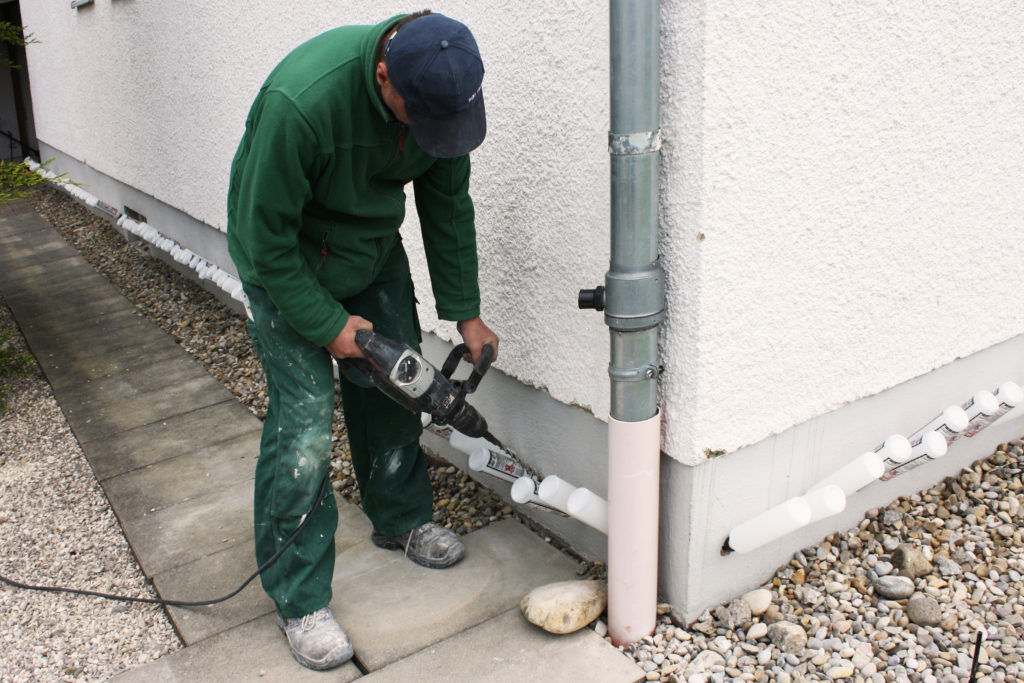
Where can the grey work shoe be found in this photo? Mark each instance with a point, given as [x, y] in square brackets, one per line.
[428, 545]
[316, 640]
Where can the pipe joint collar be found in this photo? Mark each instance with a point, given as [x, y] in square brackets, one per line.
[635, 300]
[646, 142]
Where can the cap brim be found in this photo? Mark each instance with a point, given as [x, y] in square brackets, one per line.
[450, 137]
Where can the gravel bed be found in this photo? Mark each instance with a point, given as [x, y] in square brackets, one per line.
[899, 597]
[56, 528]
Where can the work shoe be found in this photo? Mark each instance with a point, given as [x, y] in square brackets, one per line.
[428, 545]
[316, 640]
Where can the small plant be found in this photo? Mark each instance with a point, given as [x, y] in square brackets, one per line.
[12, 364]
[12, 34]
[16, 178]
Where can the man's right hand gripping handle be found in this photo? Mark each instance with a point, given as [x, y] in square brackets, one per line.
[344, 345]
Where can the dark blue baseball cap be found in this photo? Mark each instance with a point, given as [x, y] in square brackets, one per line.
[434, 64]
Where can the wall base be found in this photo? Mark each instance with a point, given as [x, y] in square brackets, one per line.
[701, 504]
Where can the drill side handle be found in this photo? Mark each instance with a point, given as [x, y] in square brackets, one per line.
[479, 368]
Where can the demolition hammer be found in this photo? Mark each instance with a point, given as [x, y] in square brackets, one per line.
[409, 379]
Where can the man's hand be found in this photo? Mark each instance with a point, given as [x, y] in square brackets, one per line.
[477, 335]
[344, 345]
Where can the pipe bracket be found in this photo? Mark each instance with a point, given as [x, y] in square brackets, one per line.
[640, 374]
[634, 143]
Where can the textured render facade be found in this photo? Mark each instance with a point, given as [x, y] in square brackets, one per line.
[840, 203]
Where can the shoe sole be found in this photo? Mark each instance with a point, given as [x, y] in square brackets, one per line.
[386, 543]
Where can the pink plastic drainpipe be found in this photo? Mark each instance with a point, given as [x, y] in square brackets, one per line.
[634, 450]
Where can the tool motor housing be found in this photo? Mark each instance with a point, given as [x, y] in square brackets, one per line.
[412, 381]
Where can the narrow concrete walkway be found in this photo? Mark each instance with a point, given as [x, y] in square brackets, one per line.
[175, 454]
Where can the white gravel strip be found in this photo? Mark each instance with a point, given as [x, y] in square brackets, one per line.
[57, 528]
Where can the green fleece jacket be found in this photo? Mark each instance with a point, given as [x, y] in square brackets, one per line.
[317, 190]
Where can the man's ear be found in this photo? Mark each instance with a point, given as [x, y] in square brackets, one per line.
[382, 73]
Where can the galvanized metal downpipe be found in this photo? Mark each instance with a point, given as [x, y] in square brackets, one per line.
[633, 299]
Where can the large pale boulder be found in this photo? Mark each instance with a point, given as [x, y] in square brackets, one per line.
[565, 606]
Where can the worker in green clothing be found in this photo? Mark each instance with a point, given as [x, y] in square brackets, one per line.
[316, 198]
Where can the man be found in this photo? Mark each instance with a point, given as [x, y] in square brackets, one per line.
[314, 206]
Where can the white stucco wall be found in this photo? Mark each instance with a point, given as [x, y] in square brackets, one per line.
[842, 203]
[839, 180]
[156, 95]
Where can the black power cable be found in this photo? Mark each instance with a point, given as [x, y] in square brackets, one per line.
[183, 603]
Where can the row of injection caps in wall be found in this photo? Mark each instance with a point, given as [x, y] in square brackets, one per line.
[551, 494]
[897, 455]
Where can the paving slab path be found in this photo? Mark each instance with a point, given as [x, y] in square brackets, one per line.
[175, 452]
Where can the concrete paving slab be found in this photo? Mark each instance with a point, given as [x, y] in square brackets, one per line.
[54, 279]
[170, 437]
[103, 319]
[178, 480]
[92, 418]
[15, 207]
[508, 649]
[222, 572]
[23, 279]
[154, 377]
[402, 608]
[183, 533]
[32, 240]
[255, 651]
[28, 221]
[105, 322]
[30, 251]
[211, 577]
[75, 364]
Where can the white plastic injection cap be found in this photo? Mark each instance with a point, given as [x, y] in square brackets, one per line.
[896, 448]
[983, 402]
[825, 502]
[589, 508]
[855, 475]
[478, 459]
[932, 444]
[776, 522]
[1010, 393]
[524, 490]
[555, 491]
[955, 418]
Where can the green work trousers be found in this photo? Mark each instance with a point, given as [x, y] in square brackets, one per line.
[295, 448]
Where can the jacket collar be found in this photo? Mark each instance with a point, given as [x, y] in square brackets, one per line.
[369, 51]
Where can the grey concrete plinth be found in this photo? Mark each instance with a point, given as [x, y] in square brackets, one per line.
[508, 649]
[253, 651]
[401, 608]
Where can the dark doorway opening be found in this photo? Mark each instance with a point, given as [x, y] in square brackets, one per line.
[17, 128]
